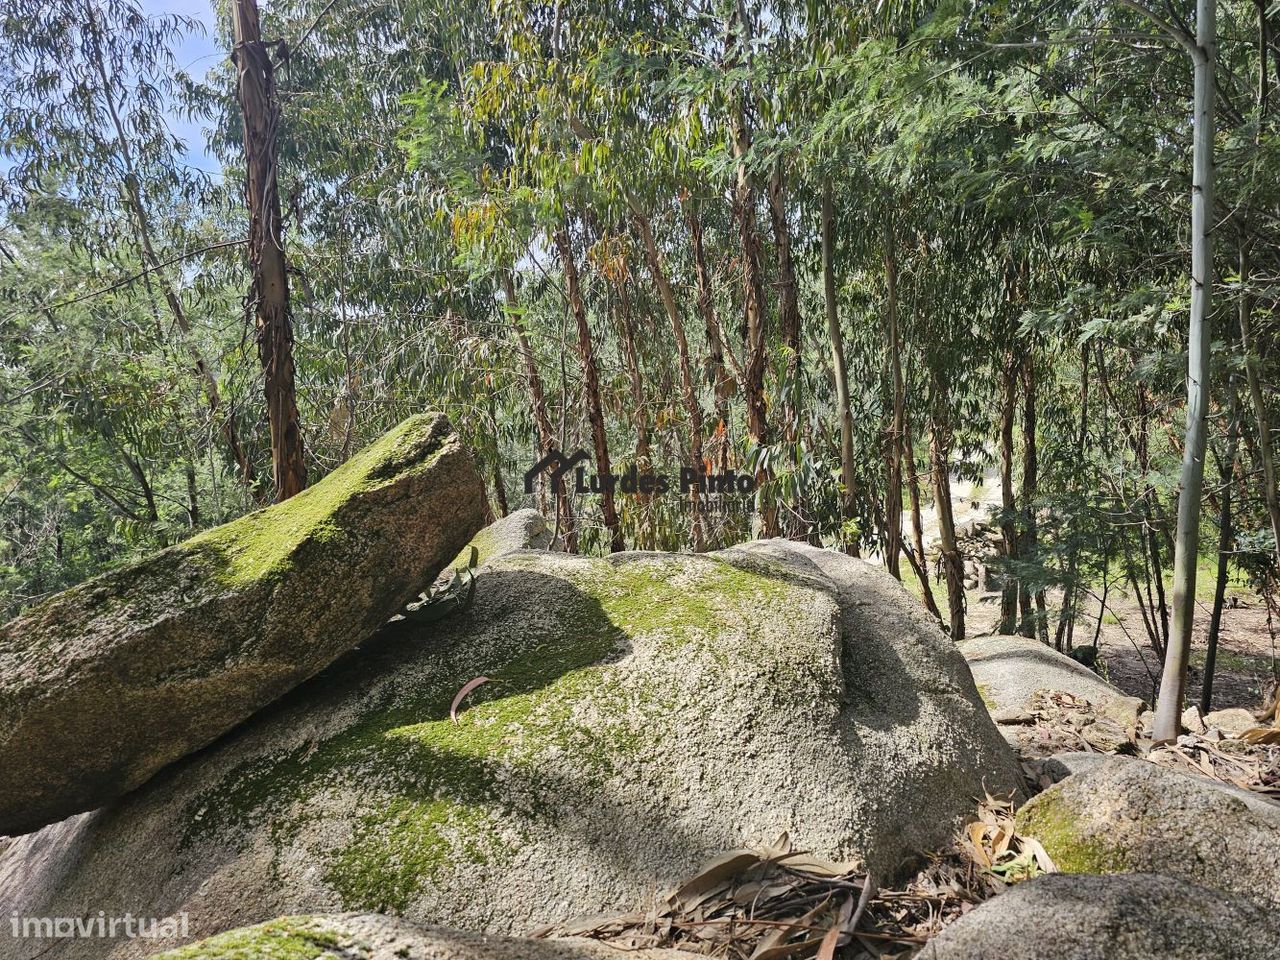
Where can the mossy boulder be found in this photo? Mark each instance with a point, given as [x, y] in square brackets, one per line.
[376, 937]
[1122, 815]
[105, 684]
[645, 713]
[1134, 917]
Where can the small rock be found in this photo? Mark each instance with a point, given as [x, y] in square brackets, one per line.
[1231, 722]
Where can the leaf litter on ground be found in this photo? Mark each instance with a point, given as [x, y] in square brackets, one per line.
[779, 902]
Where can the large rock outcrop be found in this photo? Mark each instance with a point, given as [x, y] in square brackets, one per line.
[372, 936]
[646, 712]
[1120, 815]
[1134, 917]
[105, 684]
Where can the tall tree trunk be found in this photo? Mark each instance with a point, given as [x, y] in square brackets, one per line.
[754, 310]
[939, 452]
[591, 387]
[893, 443]
[1187, 540]
[193, 497]
[1067, 616]
[688, 387]
[499, 487]
[1226, 471]
[541, 418]
[1035, 622]
[790, 329]
[920, 563]
[1008, 503]
[644, 458]
[270, 289]
[1152, 558]
[142, 225]
[722, 383]
[839, 371]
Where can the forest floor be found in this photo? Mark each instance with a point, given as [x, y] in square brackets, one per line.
[1248, 649]
[1248, 646]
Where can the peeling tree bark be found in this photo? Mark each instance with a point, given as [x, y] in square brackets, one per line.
[269, 292]
[755, 360]
[790, 329]
[722, 382]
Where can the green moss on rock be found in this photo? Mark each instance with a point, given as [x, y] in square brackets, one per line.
[289, 938]
[438, 791]
[1051, 821]
[260, 544]
[402, 846]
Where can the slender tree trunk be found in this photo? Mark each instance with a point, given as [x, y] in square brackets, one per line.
[939, 451]
[1186, 544]
[270, 289]
[893, 443]
[1067, 616]
[688, 387]
[1035, 622]
[499, 488]
[193, 498]
[920, 562]
[1008, 503]
[722, 383]
[591, 387]
[644, 458]
[144, 484]
[755, 314]
[1226, 535]
[541, 418]
[142, 224]
[790, 329]
[838, 368]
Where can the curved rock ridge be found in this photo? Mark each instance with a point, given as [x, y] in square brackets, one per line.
[105, 684]
[369, 936]
[1133, 917]
[644, 713]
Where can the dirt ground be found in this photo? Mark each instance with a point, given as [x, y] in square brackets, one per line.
[1248, 649]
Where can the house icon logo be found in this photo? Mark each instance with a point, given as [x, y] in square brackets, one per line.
[558, 464]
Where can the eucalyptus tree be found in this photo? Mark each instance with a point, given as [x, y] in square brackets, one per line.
[88, 85]
[269, 292]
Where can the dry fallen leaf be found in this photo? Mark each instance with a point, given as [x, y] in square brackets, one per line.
[462, 695]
